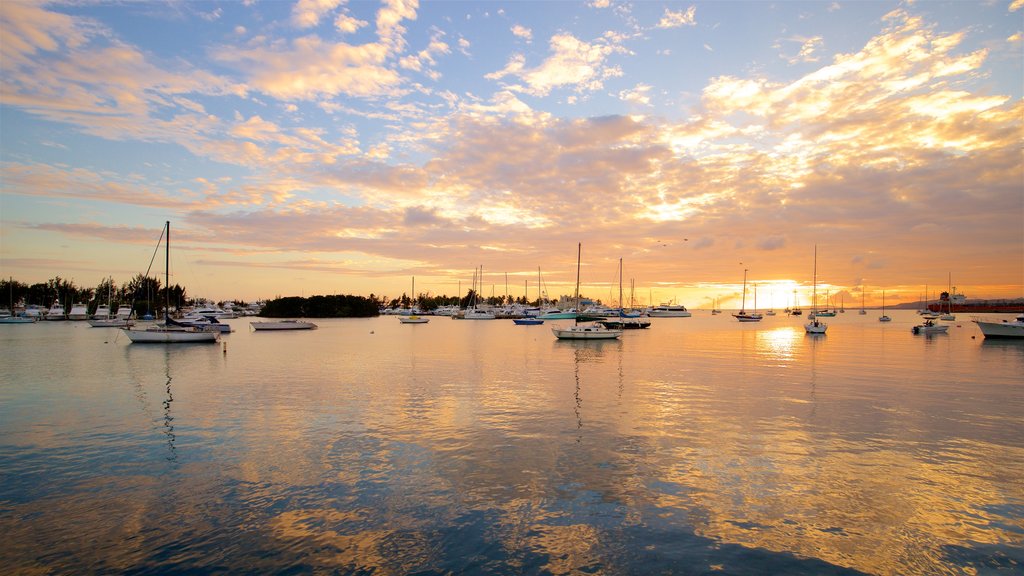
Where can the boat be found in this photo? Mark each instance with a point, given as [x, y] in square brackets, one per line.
[56, 312]
[743, 315]
[948, 314]
[715, 310]
[796, 311]
[472, 312]
[815, 326]
[954, 303]
[930, 327]
[528, 321]
[282, 325]
[1007, 329]
[104, 319]
[863, 311]
[206, 322]
[530, 317]
[626, 321]
[826, 313]
[669, 310]
[11, 318]
[78, 311]
[413, 318]
[588, 330]
[170, 332]
[883, 317]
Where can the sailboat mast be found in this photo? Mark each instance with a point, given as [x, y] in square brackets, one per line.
[814, 297]
[744, 307]
[620, 287]
[167, 273]
[579, 254]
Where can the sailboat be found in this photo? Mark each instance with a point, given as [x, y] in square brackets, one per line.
[815, 326]
[625, 321]
[714, 308]
[862, 310]
[13, 319]
[743, 315]
[826, 313]
[413, 318]
[883, 317]
[771, 310]
[587, 330]
[170, 332]
[796, 311]
[948, 315]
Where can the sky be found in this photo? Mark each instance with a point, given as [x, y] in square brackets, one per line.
[337, 147]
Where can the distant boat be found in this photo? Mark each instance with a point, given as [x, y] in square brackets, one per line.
[56, 312]
[9, 318]
[527, 321]
[743, 315]
[78, 312]
[669, 310]
[170, 332]
[862, 310]
[283, 325]
[883, 317]
[948, 315]
[1002, 329]
[589, 330]
[714, 308]
[815, 326]
[413, 318]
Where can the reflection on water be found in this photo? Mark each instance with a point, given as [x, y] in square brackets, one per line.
[695, 446]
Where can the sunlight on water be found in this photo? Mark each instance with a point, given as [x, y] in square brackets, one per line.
[368, 446]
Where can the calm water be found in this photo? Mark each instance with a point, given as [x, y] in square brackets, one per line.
[700, 445]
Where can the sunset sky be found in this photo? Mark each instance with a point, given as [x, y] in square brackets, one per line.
[324, 146]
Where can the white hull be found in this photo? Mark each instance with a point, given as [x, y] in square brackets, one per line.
[110, 323]
[161, 335]
[17, 320]
[929, 329]
[1004, 329]
[283, 325]
[585, 332]
[478, 315]
[655, 313]
[815, 327]
[413, 320]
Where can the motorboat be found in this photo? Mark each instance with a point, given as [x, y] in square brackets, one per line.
[283, 325]
[78, 311]
[56, 312]
[930, 327]
[413, 319]
[530, 321]
[1002, 328]
[669, 311]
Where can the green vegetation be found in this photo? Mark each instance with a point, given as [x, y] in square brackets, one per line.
[337, 306]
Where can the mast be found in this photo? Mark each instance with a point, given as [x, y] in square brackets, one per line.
[814, 297]
[167, 273]
[744, 307]
[579, 254]
[621, 309]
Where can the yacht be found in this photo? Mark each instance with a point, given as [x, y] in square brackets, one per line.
[669, 311]
[78, 312]
[1001, 329]
[56, 312]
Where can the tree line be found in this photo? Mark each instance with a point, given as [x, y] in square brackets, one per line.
[144, 294]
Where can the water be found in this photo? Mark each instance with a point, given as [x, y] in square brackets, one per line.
[480, 447]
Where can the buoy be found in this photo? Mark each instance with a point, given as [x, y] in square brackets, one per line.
[371, 331]
[225, 348]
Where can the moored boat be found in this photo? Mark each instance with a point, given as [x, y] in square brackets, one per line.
[283, 325]
[1008, 329]
[669, 310]
[930, 327]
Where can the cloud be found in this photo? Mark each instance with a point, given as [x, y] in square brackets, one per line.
[522, 32]
[771, 243]
[573, 63]
[676, 19]
[637, 95]
[307, 13]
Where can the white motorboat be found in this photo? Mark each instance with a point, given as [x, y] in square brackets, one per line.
[669, 310]
[930, 327]
[56, 312]
[283, 325]
[170, 332]
[78, 311]
[992, 328]
[815, 326]
[110, 322]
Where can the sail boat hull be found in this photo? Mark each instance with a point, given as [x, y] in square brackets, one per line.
[166, 335]
[585, 332]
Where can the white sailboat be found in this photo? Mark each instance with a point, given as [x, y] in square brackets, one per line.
[815, 326]
[14, 319]
[743, 315]
[413, 318]
[948, 315]
[586, 330]
[170, 332]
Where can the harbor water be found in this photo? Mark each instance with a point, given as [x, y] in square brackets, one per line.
[700, 445]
